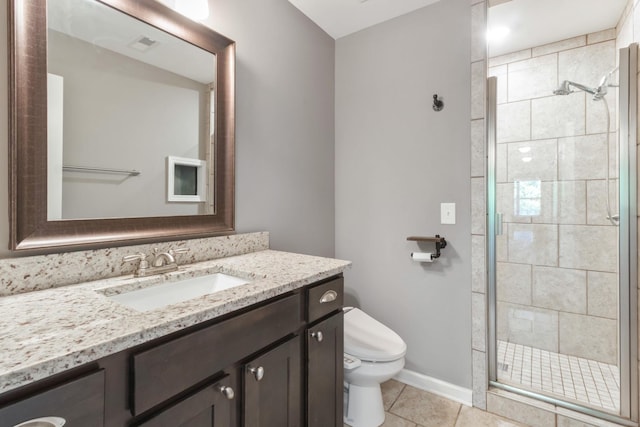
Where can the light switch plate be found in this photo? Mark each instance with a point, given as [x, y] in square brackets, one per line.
[447, 213]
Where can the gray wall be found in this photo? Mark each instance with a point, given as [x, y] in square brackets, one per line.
[396, 161]
[284, 130]
[285, 123]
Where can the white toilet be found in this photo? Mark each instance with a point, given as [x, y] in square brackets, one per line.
[373, 355]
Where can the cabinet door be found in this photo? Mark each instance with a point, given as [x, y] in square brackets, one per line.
[211, 406]
[80, 403]
[325, 372]
[272, 387]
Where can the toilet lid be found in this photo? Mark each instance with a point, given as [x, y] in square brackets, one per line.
[370, 340]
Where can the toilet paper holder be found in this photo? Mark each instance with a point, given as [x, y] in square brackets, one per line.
[440, 242]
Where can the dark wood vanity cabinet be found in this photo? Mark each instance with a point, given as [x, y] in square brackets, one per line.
[79, 402]
[275, 364]
[324, 350]
[211, 406]
[272, 387]
[325, 372]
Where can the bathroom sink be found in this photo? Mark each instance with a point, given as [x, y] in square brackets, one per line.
[174, 292]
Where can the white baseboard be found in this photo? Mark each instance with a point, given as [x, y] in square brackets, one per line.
[436, 386]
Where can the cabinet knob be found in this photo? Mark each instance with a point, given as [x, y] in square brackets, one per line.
[258, 372]
[317, 335]
[227, 392]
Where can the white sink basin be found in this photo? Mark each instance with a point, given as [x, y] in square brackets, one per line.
[174, 292]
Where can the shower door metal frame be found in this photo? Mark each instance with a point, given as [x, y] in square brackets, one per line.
[627, 240]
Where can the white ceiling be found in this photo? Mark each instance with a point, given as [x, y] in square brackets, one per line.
[538, 22]
[105, 27]
[343, 17]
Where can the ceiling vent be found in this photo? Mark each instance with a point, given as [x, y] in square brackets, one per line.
[143, 44]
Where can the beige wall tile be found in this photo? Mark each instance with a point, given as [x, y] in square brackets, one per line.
[505, 204]
[601, 58]
[566, 44]
[533, 244]
[590, 337]
[601, 36]
[509, 57]
[602, 294]
[533, 160]
[516, 410]
[563, 202]
[523, 324]
[478, 30]
[501, 73]
[480, 379]
[532, 78]
[560, 289]
[478, 206]
[582, 157]
[502, 245]
[478, 89]
[478, 272]
[568, 418]
[514, 122]
[472, 417]
[477, 148]
[558, 116]
[501, 163]
[588, 247]
[597, 201]
[513, 283]
[478, 322]
[597, 114]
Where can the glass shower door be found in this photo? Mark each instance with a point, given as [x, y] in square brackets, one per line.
[558, 209]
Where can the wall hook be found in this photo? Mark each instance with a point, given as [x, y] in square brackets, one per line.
[438, 105]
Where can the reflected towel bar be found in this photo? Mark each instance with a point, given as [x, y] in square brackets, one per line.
[100, 170]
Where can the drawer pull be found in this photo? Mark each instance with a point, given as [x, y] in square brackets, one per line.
[258, 372]
[227, 392]
[43, 422]
[328, 296]
[317, 335]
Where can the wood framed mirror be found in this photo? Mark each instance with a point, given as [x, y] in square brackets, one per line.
[32, 224]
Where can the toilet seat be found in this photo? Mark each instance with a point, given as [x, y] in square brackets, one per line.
[370, 340]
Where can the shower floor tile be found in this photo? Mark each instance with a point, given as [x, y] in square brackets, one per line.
[585, 381]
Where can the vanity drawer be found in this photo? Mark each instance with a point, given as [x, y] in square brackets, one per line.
[324, 298]
[166, 370]
[80, 402]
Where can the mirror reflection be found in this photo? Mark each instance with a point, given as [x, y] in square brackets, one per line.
[124, 98]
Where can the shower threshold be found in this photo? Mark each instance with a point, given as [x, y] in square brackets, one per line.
[571, 378]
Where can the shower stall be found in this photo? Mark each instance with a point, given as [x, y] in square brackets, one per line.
[562, 227]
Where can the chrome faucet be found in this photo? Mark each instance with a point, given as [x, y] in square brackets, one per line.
[163, 262]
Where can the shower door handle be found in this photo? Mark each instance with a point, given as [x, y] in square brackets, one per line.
[499, 224]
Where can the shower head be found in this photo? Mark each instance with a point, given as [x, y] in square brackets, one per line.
[564, 88]
[598, 93]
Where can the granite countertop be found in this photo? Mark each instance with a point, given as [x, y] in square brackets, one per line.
[49, 331]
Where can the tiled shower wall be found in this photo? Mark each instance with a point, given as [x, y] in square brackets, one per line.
[557, 257]
[529, 411]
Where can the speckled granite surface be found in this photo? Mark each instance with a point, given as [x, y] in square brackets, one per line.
[19, 275]
[50, 331]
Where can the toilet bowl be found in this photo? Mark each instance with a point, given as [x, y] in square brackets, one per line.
[373, 355]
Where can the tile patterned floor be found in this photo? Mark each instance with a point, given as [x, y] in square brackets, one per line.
[407, 406]
[585, 381]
